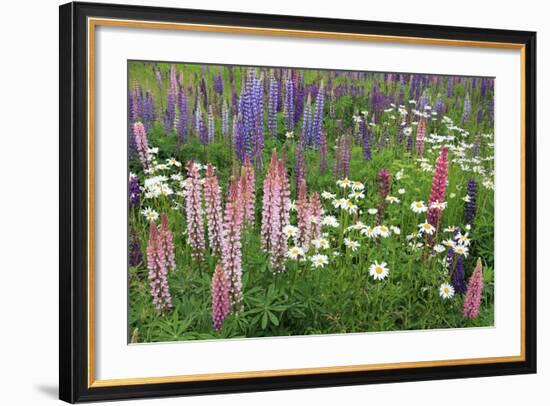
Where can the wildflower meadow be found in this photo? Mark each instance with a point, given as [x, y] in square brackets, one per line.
[279, 201]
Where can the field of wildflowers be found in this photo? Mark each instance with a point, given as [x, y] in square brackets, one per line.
[280, 201]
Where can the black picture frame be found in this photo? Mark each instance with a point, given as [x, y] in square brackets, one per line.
[73, 256]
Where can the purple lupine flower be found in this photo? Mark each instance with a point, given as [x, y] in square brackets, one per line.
[472, 301]
[225, 120]
[306, 139]
[134, 249]
[289, 104]
[200, 127]
[272, 105]
[466, 108]
[183, 110]
[470, 205]
[149, 114]
[439, 106]
[457, 276]
[323, 151]
[133, 191]
[366, 142]
[218, 83]
[317, 123]
[258, 111]
[298, 97]
[479, 117]
[211, 126]
[220, 297]
[204, 92]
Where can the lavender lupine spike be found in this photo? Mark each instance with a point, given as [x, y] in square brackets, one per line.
[472, 301]
[317, 123]
[220, 297]
[470, 205]
[211, 126]
[218, 83]
[289, 104]
[306, 139]
[200, 127]
[231, 249]
[323, 152]
[194, 212]
[142, 144]
[149, 114]
[258, 139]
[171, 99]
[272, 105]
[134, 250]
[134, 191]
[239, 138]
[183, 111]
[298, 96]
[466, 108]
[213, 208]
[158, 271]
[225, 120]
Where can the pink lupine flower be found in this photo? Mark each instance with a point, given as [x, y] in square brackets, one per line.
[420, 133]
[158, 271]
[167, 240]
[213, 206]
[472, 300]
[268, 213]
[231, 246]
[248, 189]
[276, 213]
[304, 214]
[316, 213]
[142, 145]
[439, 185]
[193, 208]
[220, 297]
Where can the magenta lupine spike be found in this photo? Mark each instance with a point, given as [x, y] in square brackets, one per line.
[248, 190]
[167, 242]
[158, 271]
[142, 145]
[304, 213]
[472, 301]
[231, 248]
[316, 213]
[193, 207]
[420, 133]
[220, 297]
[439, 186]
[384, 178]
[213, 206]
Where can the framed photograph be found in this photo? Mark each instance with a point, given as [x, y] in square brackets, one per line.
[257, 202]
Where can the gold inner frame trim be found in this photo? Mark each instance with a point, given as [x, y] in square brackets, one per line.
[94, 22]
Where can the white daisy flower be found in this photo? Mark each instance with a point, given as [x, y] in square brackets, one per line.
[438, 205]
[352, 245]
[418, 207]
[379, 271]
[382, 231]
[357, 185]
[439, 248]
[290, 230]
[395, 230]
[150, 214]
[295, 253]
[319, 260]
[392, 199]
[320, 243]
[450, 229]
[369, 231]
[289, 134]
[461, 250]
[401, 191]
[446, 291]
[356, 195]
[344, 183]
[330, 221]
[292, 205]
[426, 228]
[463, 239]
[328, 195]
[372, 211]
